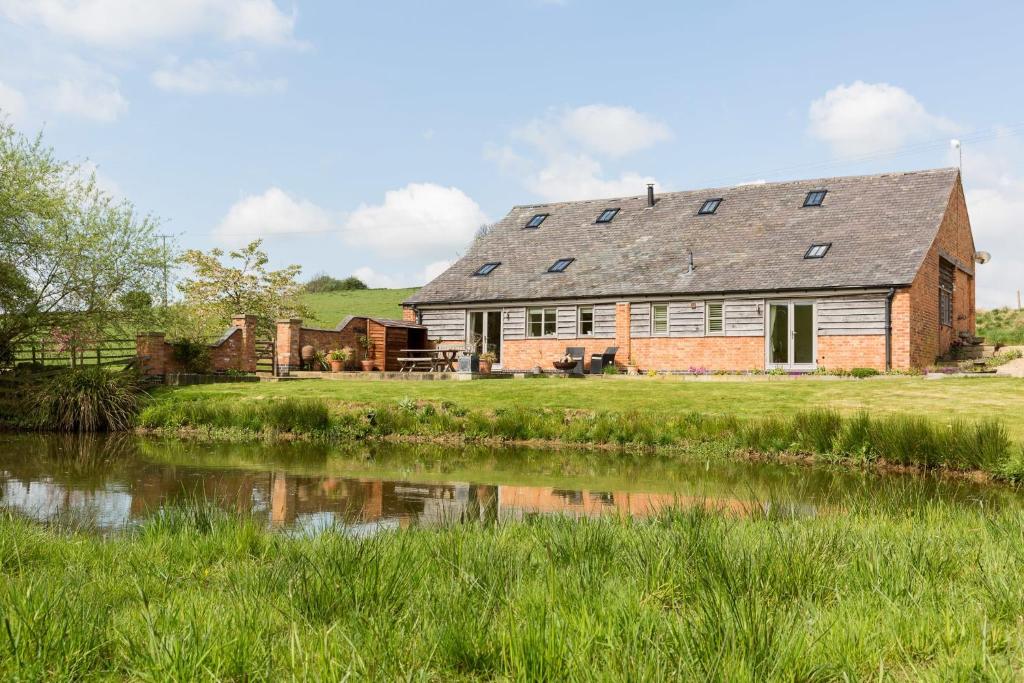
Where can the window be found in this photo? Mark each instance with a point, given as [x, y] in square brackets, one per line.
[817, 250]
[715, 318]
[541, 322]
[560, 265]
[586, 321]
[815, 198]
[709, 207]
[659, 319]
[946, 274]
[607, 215]
[537, 220]
[486, 269]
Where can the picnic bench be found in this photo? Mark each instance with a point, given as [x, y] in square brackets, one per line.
[428, 360]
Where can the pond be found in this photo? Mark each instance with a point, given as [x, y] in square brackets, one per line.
[111, 483]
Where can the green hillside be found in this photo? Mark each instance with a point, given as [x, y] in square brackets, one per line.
[330, 307]
[1002, 325]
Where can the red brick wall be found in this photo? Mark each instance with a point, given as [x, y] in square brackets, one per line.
[525, 354]
[710, 353]
[928, 338]
[846, 352]
[409, 315]
[236, 352]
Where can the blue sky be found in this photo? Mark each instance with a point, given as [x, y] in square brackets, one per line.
[373, 138]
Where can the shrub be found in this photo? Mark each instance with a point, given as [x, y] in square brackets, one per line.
[88, 399]
[192, 355]
[861, 373]
[322, 282]
[610, 369]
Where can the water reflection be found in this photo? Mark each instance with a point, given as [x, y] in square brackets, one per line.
[111, 483]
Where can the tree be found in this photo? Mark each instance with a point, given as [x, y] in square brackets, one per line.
[69, 253]
[215, 291]
[322, 282]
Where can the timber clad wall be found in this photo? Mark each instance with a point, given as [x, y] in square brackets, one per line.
[445, 324]
[851, 315]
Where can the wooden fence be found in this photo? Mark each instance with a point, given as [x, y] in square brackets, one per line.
[48, 354]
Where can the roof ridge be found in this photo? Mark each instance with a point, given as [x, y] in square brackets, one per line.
[774, 183]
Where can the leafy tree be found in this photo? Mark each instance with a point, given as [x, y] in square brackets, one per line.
[322, 282]
[215, 290]
[69, 253]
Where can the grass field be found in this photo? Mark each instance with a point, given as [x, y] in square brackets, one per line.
[926, 591]
[330, 307]
[1002, 325]
[941, 400]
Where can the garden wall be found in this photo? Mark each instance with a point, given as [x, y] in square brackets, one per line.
[235, 350]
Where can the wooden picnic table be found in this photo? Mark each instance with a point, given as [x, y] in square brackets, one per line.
[433, 360]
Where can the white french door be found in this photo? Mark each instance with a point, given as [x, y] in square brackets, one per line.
[485, 332]
[791, 342]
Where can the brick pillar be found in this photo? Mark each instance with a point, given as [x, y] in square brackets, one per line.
[247, 355]
[287, 347]
[622, 338]
[409, 314]
[151, 353]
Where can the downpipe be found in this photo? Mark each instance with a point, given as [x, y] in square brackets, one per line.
[888, 328]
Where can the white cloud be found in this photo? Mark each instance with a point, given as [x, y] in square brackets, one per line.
[374, 278]
[615, 131]
[578, 176]
[421, 218]
[562, 153]
[274, 212]
[203, 76]
[97, 98]
[12, 103]
[128, 23]
[868, 117]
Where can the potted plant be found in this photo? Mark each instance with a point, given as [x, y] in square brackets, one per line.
[485, 361]
[367, 345]
[338, 358]
[631, 368]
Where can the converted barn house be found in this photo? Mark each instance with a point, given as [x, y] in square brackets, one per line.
[867, 271]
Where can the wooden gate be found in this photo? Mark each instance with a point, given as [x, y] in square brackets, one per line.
[266, 360]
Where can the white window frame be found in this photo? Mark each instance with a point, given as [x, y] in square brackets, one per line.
[707, 319]
[543, 322]
[579, 321]
[654, 325]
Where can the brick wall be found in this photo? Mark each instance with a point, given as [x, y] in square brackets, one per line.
[846, 352]
[525, 354]
[927, 337]
[236, 350]
[711, 353]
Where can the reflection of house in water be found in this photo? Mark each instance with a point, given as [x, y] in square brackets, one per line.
[311, 503]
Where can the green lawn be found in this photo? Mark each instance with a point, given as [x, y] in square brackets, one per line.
[1002, 325]
[330, 307]
[942, 400]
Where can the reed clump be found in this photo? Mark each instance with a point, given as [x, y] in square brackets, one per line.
[896, 439]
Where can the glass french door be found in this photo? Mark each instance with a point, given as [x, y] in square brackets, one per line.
[791, 340]
[485, 332]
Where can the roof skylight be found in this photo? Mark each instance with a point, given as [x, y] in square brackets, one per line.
[817, 250]
[560, 265]
[815, 197]
[486, 269]
[709, 207]
[536, 220]
[607, 215]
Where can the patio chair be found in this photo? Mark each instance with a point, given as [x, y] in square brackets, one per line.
[577, 354]
[599, 361]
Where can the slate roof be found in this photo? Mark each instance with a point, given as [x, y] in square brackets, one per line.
[880, 228]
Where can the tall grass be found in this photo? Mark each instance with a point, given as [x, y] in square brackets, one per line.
[928, 592]
[860, 438]
[85, 399]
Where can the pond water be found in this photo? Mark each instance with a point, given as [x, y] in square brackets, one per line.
[110, 483]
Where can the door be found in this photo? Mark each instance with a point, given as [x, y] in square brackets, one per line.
[485, 332]
[791, 341]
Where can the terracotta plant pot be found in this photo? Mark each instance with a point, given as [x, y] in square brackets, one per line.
[367, 364]
[485, 367]
[337, 365]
